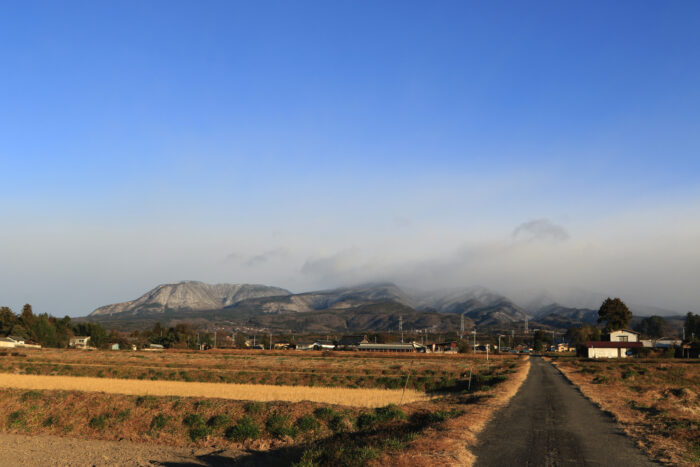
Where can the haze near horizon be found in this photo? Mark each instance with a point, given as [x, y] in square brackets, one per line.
[520, 147]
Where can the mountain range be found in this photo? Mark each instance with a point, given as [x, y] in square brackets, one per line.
[367, 307]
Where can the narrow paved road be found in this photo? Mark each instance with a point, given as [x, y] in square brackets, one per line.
[549, 423]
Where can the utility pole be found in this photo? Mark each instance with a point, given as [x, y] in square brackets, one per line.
[270, 334]
[214, 339]
[401, 327]
[461, 327]
[499, 342]
[474, 332]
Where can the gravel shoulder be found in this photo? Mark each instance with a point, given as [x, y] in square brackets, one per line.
[550, 423]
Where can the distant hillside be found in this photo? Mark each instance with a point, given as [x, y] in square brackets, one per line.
[189, 295]
[483, 306]
[558, 316]
[367, 307]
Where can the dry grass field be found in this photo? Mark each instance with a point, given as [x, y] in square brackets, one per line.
[289, 368]
[654, 400]
[316, 425]
[253, 392]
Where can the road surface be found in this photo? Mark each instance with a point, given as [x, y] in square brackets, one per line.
[549, 423]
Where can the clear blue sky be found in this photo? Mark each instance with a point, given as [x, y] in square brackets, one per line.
[315, 128]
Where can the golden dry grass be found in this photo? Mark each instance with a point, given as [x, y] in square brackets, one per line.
[253, 392]
[656, 402]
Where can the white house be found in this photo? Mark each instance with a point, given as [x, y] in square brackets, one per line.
[79, 342]
[8, 342]
[619, 346]
[13, 341]
[624, 335]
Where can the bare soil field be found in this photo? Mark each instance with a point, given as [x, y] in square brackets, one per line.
[419, 429]
[654, 400]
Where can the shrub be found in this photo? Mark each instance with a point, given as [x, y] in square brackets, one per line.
[193, 420]
[279, 426]
[218, 421]
[30, 395]
[246, 428]
[123, 415]
[253, 408]
[16, 419]
[324, 413]
[367, 422]
[389, 413]
[338, 423]
[98, 423]
[158, 422]
[49, 421]
[199, 432]
[146, 400]
[307, 423]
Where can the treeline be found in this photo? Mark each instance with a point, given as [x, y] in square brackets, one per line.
[47, 330]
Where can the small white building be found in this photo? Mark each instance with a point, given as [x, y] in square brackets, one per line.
[624, 335]
[620, 345]
[79, 342]
[8, 342]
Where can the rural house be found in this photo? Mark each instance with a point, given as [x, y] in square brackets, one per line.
[79, 342]
[620, 345]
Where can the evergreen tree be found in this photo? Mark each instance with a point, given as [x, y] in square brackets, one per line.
[615, 314]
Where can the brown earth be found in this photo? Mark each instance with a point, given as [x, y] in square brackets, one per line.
[42, 450]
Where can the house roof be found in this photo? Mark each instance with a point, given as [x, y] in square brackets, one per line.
[625, 330]
[352, 340]
[394, 346]
[612, 345]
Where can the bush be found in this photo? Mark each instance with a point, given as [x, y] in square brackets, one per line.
[253, 408]
[367, 422]
[15, 419]
[279, 426]
[324, 413]
[158, 422]
[199, 432]
[389, 413]
[338, 423]
[218, 421]
[307, 423]
[49, 421]
[98, 423]
[193, 420]
[246, 428]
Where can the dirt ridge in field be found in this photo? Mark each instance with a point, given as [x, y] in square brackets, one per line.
[254, 392]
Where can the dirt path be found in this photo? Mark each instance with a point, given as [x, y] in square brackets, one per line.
[549, 423]
[253, 392]
[22, 450]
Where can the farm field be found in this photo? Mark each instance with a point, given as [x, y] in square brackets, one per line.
[421, 429]
[654, 400]
[289, 368]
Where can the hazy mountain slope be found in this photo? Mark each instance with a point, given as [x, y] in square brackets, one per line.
[559, 316]
[190, 295]
[483, 306]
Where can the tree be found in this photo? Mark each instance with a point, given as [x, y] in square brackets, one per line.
[615, 314]
[542, 340]
[692, 326]
[239, 340]
[653, 326]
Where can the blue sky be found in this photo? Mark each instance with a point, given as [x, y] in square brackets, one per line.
[146, 142]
